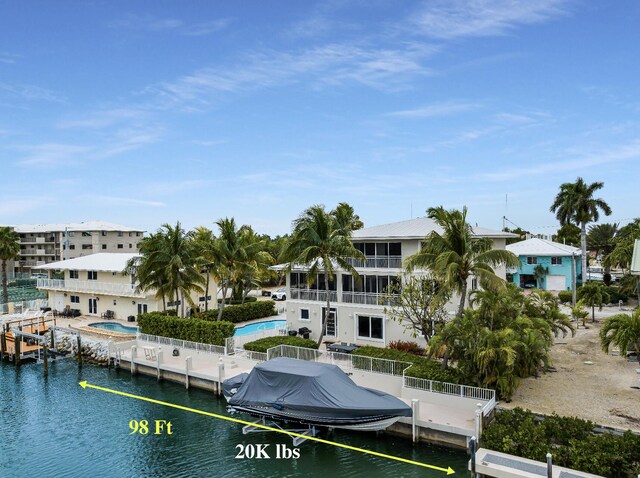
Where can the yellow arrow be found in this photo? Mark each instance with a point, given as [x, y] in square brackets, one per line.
[448, 471]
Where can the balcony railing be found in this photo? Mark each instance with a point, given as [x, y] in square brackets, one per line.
[39, 240]
[311, 294]
[384, 262]
[37, 252]
[368, 298]
[32, 263]
[92, 287]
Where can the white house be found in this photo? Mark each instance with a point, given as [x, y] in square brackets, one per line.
[95, 284]
[356, 315]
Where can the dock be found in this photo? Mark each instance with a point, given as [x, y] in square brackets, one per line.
[443, 413]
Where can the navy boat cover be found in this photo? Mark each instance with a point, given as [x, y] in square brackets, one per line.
[312, 388]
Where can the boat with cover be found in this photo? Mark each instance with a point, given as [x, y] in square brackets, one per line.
[311, 393]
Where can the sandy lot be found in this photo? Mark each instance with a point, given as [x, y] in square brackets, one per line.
[588, 383]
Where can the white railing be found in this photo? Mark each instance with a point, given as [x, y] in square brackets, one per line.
[344, 361]
[184, 344]
[90, 286]
[383, 262]
[312, 294]
[251, 355]
[23, 307]
[238, 341]
[446, 388]
[367, 298]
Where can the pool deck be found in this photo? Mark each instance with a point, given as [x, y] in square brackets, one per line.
[441, 418]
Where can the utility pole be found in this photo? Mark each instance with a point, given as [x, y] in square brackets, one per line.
[573, 278]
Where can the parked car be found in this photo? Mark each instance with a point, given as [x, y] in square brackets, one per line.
[280, 294]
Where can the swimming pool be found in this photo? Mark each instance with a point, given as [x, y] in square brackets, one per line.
[259, 326]
[115, 327]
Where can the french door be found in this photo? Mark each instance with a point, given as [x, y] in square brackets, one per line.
[93, 306]
[331, 320]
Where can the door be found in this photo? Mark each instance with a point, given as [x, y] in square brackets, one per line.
[93, 306]
[332, 322]
[556, 282]
[58, 302]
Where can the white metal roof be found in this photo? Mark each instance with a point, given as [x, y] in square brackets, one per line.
[79, 226]
[417, 228]
[542, 247]
[635, 261]
[103, 262]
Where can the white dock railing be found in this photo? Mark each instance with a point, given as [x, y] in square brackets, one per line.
[185, 344]
[466, 391]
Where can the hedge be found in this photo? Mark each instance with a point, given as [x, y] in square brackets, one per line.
[195, 330]
[238, 302]
[422, 367]
[243, 312]
[615, 294]
[261, 345]
[570, 440]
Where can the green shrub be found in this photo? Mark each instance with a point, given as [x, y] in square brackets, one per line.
[238, 302]
[616, 294]
[565, 296]
[422, 367]
[571, 441]
[195, 330]
[241, 313]
[261, 345]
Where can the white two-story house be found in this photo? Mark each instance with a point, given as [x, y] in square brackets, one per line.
[357, 314]
[95, 284]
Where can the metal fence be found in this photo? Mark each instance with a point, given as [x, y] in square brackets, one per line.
[185, 344]
[251, 355]
[23, 307]
[446, 388]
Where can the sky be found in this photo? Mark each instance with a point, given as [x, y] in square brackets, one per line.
[150, 112]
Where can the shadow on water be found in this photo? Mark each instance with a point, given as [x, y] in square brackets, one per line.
[70, 431]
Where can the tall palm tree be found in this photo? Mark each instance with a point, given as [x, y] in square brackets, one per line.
[9, 250]
[623, 331]
[601, 239]
[231, 256]
[204, 243]
[322, 243]
[575, 204]
[146, 272]
[455, 255]
[253, 268]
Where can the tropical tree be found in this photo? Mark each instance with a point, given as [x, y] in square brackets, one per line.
[568, 234]
[601, 239]
[417, 304]
[205, 247]
[575, 204]
[455, 255]
[539, 273]
[578, 312]
[321, 241]
[592, 294]
[253, 268]
[229, 248]
[9, 250]
[623, 331]
[147, 274]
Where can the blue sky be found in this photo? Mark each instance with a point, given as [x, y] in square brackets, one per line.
[148, 112]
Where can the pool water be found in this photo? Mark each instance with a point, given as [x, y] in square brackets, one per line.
[115, 327]
[259, 326]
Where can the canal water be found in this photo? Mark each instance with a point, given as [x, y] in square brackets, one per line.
[53, 427]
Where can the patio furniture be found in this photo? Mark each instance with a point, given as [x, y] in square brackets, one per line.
[343, 348]
[109, 314]
[150, 353]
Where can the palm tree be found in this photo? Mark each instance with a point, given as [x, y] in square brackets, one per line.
[204, 242]
[455, 255]
[253, 268]
[539, 273]
[9, 250]
[575, 204]
[601, 240]
[321, 241]
[623, 331]
[593, 295]
[148, 274]
[231, 257]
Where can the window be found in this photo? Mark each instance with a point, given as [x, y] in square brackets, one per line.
[202, 298]
[92, 275]
[104, 233]
[86, 234]
[120, 246]
[370, 327]
[72, 247]
[556, 261]
[130, 246]
[75, 299]
[532, 260]
[137, 234]
[73, 274]
[120, 233]
[87, 246]
[104, 246]
[304, 314]
[71, 233]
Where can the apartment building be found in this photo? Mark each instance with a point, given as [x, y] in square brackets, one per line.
[42, 244]
[357, 307]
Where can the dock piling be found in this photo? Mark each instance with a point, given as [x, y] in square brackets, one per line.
[415, 410]
[549, 466]
[187, 366]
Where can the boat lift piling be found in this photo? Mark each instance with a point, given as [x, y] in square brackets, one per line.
[69, 331]
[18, 334]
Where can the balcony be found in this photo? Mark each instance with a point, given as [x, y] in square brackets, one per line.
[39, 240]
[37, 252]
[366, 298]
[32, 263]
[90, 287]
[312, 294]
[378, 262]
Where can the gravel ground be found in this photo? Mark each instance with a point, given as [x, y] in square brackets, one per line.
[588, 384]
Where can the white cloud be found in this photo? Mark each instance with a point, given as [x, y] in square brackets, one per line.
[31, 93]
[8, 58]
[16, 206]
[103, 118]
[157, 25]
[435, 110]
[448, 19]
[52, 154]
[122, 201]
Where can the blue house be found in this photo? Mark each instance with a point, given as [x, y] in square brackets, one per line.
[551, 259]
